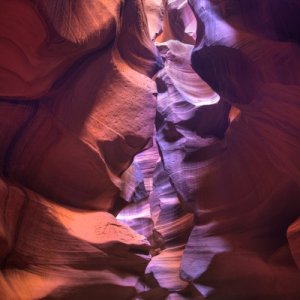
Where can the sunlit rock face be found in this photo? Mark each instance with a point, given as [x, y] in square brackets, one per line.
[150, 149]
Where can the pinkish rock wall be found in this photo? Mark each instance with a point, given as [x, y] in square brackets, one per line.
[149, 149]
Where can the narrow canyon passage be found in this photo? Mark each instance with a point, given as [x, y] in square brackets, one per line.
[149, 149]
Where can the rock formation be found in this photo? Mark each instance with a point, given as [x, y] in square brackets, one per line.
[149, 149]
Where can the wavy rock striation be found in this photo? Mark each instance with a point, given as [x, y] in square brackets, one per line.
[149, 149]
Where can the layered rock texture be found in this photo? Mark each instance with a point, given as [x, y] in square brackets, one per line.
[149, 149]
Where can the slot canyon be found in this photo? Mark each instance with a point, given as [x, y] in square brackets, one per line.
[150, 149]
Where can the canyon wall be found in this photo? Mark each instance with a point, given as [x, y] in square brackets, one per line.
[149, 149]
